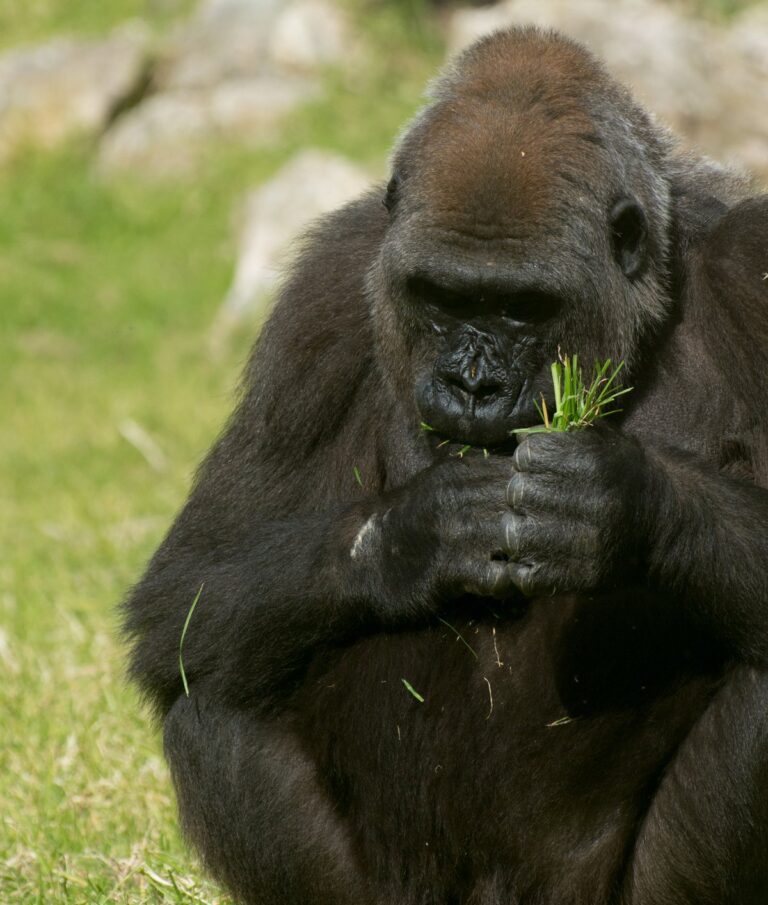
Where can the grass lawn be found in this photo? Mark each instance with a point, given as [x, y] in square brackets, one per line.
[27, 21]
[107, 291]
[106, 295]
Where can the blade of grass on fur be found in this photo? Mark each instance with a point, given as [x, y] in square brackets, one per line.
[460, 637]
[413, 691]
[183, 636]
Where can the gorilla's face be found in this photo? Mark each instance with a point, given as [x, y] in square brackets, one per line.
[482, 344]
[511, 239]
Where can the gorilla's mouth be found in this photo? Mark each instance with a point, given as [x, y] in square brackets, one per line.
[485, 417]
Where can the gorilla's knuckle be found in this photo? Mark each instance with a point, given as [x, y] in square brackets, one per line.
[527, 577]
[515, 491]
[531, 454]
[513, 528]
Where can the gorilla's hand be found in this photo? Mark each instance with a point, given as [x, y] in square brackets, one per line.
[574, 519]
[444, 532]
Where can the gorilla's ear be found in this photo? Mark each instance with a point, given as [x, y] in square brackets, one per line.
[629, 236]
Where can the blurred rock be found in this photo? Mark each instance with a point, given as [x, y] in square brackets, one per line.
[706, 82]
[56, 90]
[233, 72]
[311, 184]
[309, 33]
[164, 135]
[225, 39]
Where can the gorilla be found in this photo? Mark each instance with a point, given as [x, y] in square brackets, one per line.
[459, 665]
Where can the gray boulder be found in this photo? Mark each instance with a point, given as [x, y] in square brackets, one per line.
[164, 136]
[233, 72]
[53, 91]
[311, 184]
[224, 39]
[308, 34]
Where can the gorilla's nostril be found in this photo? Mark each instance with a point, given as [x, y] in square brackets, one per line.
[486, 390]
[475, 384]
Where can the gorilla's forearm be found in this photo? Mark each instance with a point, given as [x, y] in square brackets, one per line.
[708, 544]
[269, 597]
[275, 591]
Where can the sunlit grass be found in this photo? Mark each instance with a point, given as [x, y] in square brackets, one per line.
[107, 291]
[578, 404]
[37, 20]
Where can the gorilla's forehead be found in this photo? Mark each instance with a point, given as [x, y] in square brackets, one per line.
[512, 136]
[487, 170]
[524, 67]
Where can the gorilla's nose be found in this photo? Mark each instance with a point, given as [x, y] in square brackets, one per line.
[474, 378]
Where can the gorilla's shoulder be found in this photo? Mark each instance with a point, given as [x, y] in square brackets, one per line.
[737, 243]
[316, 351]
[322, 305]
[326, 282]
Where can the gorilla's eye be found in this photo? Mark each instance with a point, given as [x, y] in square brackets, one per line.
[530, 306]
[431, 293]
[629, 235]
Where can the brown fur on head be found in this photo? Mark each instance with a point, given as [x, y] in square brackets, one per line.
[529, 209]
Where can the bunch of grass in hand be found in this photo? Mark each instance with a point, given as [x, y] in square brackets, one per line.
[577, 405]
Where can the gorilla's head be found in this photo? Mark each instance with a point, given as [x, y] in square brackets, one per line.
[528, 209]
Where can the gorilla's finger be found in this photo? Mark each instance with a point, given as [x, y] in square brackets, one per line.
[514, 528]
[515, 490]
[521, 459]
[540, 453]
[524, 536]
[491, 579]
[529, 579]
[527, 492]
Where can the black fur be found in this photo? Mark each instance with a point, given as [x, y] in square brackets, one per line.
[585, 615]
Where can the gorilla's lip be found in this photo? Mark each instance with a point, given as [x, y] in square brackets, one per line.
[482, 423]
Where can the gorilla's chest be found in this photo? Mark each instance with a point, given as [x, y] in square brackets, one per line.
[538, 735]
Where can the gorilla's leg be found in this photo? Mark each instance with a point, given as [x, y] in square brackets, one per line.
[251, 803]
[704, 840]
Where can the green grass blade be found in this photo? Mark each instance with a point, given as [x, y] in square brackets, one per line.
[413, 691]
[576, 404]
[459, 637]
[556, 371]
[184, 635]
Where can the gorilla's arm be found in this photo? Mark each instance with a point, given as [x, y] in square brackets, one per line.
[708, 531]
[600, 508]
[290, 552]
[708, 544]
